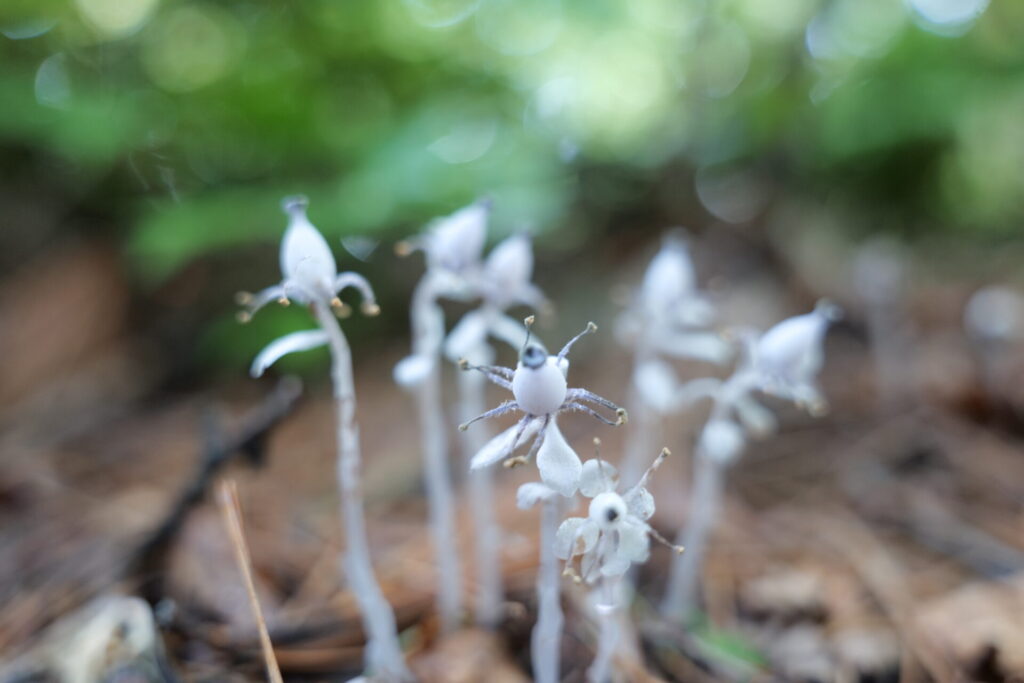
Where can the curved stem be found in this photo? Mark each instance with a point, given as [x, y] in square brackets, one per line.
[546, 639]
[383, 653]
[486, 529]
[681, 593]
[428, 333]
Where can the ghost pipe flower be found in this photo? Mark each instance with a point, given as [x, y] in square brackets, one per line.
[505, 282]
[540, 391]
[453, 247]
[783, 362]
[614, 535]
[310, 277]
[668, 319]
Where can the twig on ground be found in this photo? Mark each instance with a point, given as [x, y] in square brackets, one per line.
[227, 500]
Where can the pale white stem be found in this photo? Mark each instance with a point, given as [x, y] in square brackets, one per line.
[546, 639]
[606, 606]
[643, 422]
[486, 529]
[684, 576]
[440, 499]
[384, 658]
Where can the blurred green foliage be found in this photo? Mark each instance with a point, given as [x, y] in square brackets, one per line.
[203, 114]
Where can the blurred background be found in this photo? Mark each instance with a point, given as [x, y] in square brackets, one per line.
[145, 146]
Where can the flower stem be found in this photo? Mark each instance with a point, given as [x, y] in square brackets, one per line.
[606, 604]
[681, 592]
[383, 653]
[486, 530]
[426, 319]
[546, 639]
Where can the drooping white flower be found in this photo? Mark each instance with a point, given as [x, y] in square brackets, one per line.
[540, 391]
[309, 277]
[455, 243]
[788, 357]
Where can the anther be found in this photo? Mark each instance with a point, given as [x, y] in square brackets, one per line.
[463, 364]
[403, 248]
[591, 327]
[514, 462]
[463, 427]
[283, 301]
[622, 415]
[243, 316]
[370, 309]
[243, 298]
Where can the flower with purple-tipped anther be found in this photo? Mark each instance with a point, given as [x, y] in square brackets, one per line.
[540, 391]
[311, 277]
[615, 533]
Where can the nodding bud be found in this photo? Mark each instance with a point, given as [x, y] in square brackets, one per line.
[296, 203]
[370, 308]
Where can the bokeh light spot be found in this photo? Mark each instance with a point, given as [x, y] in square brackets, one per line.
[194, 46]
[115, 18]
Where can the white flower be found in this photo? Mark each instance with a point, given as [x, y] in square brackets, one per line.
[309, 277]
[789, 356]
[615, 533]
[540, 391]
[455, 243]
[505, 281]
[995, 314]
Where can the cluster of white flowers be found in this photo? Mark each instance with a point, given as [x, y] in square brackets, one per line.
[669, 319]
[457, 270]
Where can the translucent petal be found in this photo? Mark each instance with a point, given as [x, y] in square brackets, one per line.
[531, 493]
[657, 383]
[466, 336]
[306, 257]
[639, 502]
[575, 530]
[597, 477]
[456, 242]
[634, 544]
[510, 264]
[758, 420]
[290, 343]
[669, 277]
[412, 370]
[559, 466]
[500, 447]
[721, 440]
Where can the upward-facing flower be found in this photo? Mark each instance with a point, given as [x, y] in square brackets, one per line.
[310, 276]
[540, 391]
[615, 532]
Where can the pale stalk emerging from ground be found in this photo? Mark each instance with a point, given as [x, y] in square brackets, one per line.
[384, 659]
[607, 608]
[486, 530]
[546, 639]
[681, 592]
[440, 499]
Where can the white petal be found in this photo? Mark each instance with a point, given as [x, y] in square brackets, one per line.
[597, 477]
[614, 565]
[531, 493]
[721, 440]
[412, 370]
[575, 536]
[290, 343]
[500, 447]
[639, 502]
[510, 264]
[758, 420]
[456, 242]
[466, 336]
[657, 383]
[634, 544]
[669, 277]
[306, 257]
[792, 352]
[559, 466]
